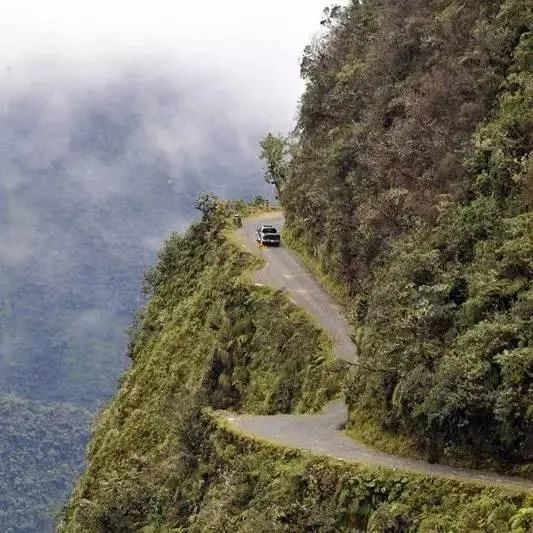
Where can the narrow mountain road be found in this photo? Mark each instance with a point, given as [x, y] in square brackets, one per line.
[283, 271]
[322, 434]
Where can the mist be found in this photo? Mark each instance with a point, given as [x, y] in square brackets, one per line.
[114, 116]
[93, 178]
[250, 48]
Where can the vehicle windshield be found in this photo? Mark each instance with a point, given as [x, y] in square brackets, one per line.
[269, 230]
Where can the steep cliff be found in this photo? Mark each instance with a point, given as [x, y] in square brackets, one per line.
[162, 460]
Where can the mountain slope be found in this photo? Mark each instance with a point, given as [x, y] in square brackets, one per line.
[206, 338]
[41, 452]
[410, 183]
[159, 461]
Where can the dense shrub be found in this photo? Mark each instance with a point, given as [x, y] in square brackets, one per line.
[410, 181]
[232, 483]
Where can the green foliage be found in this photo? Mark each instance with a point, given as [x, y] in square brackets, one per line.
[234, 483]
[37, 462]
[457, 299]
[206, 338]
[395, 92]
[411, 185]
[522, 522]
[274, 151]
[455, 342]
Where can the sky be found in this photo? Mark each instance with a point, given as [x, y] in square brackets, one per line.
[251, 48]
[114, 116]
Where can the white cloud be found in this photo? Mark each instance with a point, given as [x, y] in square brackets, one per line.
[251, 47]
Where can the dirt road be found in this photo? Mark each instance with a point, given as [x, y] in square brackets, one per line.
[282, 270]
[321, 434]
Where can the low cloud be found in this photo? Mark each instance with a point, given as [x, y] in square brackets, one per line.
[92, 179]
[252, 49]
[114, 116]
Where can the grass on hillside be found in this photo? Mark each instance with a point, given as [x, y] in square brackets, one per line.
[263, 486]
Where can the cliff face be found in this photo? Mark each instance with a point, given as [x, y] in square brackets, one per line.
[410, 182]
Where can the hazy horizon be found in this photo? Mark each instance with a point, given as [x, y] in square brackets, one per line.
[250, 50]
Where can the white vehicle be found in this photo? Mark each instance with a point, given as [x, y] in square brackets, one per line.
[268, 235]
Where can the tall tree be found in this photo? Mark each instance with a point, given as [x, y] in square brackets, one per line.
[275, 153]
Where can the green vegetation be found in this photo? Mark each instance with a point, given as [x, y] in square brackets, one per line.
[408, 187]
[251, 486]
[206, 338]
[410, 183]
[159, 461]
[274, 151]
[366, 428]
[257, 206]
[37, 464]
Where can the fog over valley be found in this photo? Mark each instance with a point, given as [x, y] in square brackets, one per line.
[113, 119]
[92, 181]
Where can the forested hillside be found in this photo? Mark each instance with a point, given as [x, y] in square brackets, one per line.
[41, 452]
[206, 338]
[410, 182]
[159, 461]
